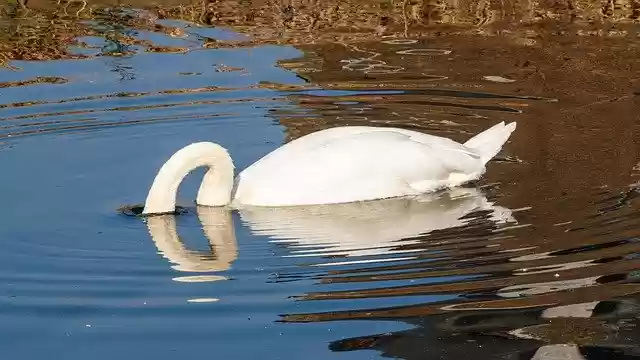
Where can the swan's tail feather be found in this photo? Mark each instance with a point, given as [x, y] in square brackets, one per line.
[489, 142]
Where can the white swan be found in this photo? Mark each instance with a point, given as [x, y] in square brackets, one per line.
[338, 165]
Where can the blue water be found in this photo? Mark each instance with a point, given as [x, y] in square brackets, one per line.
[79, 280]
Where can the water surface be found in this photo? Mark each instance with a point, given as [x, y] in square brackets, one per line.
[538, 258]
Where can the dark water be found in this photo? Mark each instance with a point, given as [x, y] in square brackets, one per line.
[538, 260]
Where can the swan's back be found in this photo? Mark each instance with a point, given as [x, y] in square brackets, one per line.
[349, 164]
[323, 137]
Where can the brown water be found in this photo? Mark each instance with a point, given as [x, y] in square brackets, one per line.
[566, 271]
[539, 259]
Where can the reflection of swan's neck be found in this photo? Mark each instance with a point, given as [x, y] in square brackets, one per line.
[216, 186]
[218, 229]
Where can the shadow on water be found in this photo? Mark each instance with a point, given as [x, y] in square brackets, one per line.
[538, 260]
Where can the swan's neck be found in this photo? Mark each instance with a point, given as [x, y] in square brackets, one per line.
[216, 186]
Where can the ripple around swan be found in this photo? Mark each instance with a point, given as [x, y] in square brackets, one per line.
[482, 281]
[70, 266]
[503, 272]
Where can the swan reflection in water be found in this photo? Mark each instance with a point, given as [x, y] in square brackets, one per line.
[369, 228]
[351, 230]
[218, 229]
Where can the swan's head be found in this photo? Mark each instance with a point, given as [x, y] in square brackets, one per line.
[216, 186]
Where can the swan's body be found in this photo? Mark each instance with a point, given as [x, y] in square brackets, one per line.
[338, 165]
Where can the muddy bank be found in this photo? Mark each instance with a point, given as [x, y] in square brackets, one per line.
[44, 29]
[314, 14]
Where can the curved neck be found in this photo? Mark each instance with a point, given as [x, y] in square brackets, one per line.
[216, 186]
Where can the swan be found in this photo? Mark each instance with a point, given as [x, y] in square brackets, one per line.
[332, 166]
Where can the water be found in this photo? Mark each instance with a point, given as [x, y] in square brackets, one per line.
[539, 259]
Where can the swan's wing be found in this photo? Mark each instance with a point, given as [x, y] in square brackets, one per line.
[366, 165]
[350, 135]
[405, 151]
